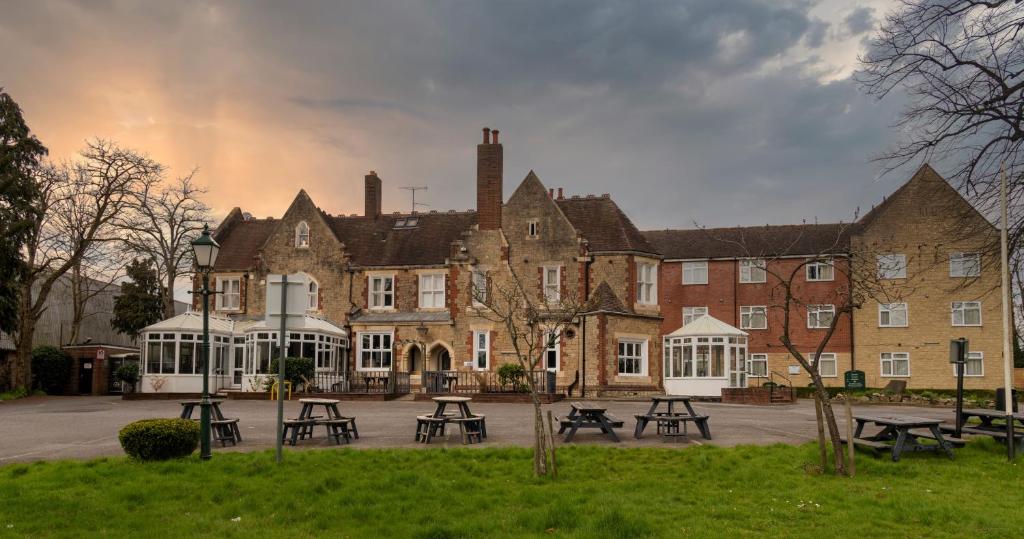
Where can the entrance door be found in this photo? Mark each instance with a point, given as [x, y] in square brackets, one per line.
[237, 366]
[445, 360]
[414, 359]
[85, 375]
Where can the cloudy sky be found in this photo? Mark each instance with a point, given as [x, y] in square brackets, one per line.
[718, 112]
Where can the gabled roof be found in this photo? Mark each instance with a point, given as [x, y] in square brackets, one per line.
[603, 224]
[753, 241]
[240, 241]
[603, 299]
[707, 326]
[376, 241]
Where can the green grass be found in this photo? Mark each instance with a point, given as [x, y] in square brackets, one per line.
[601, 492]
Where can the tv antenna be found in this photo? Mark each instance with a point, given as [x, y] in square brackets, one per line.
[413, 190]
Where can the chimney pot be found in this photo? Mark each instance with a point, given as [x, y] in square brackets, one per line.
[487, 135]
[560, 196]
[494, 136]
[551, 193]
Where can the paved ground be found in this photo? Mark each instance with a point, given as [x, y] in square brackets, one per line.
[44, 428]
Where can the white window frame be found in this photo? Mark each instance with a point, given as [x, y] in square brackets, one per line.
[388, 351]
[313, 295]
[758, 358]
[485, 350]
[302, 235]
[223, 303]
[553, 347]
[818, 268]
[533, 229]
[749, 311]
[431, 293]
[695, 268]
[960, 306]
[973, 356]
[753, 270]
[827, 357]
[890, 308]
[641, 357]
[693, 313]
[959, 269]
[891, 361]
[478, 287]
[378, 299]
[646, 283]
[552, 290]
[892, 266]
[814, 315]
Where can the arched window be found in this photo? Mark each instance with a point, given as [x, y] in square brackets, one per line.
[302, 235]
[313, 302]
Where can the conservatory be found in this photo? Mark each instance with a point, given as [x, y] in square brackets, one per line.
[704, 357]
[240, 351]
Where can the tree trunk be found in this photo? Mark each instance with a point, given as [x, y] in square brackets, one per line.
[822, 451]
[540, 454]
[830, 421]
[168, 295]
[21, 367]
[78, 299]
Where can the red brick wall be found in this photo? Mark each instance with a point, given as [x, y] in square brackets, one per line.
[489, 193]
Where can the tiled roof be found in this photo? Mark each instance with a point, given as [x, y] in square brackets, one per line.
[376, 242]
[603, 299]
[240, 241]
[753, 241]
[400, 317]
[603, 224]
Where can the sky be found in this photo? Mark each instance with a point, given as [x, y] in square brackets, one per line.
[709, 113]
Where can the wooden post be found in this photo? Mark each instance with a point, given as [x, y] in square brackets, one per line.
[821, 432]
[851, 466]
[551, 433]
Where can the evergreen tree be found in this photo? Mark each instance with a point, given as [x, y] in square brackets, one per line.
[141, 300]
[20, 152]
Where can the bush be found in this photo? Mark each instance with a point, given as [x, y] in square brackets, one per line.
[51, 369]
[294, 369]
[128, 374]
[160, 439]
[513, 374]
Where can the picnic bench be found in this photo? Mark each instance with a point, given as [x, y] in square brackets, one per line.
[900, 434]
[222, 429]
[589, 415]
[992, 424]
[338, 427]
[669, 420]
[472, 427]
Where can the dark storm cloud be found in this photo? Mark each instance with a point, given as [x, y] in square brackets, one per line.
[684, 111]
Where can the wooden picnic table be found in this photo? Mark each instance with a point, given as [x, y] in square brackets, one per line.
[668, 420]
[338, 427]
[900, 434]
[473, 427]
[589, 415]
[223, 429]
[189, 406]
[993, 424]
[462, 403]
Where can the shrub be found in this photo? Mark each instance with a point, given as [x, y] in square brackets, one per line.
[128, 374]
[51, 369]
[513, 374]
[294, 369]
[160, 439]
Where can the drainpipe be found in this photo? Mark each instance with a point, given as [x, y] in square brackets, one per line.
[583, 329]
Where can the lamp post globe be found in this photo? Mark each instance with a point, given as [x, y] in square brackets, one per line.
[205, 249]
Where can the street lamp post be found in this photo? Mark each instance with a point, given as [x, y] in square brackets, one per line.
[205, 249]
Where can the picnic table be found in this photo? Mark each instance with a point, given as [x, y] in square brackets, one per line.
[993, 423]
[223, 429]
[473, 427]
[900, 434]
[338, 427]
[589, 415]
[668, 419]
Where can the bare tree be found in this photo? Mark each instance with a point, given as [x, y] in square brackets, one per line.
[164, 218]
[78, 204]
[531, 323]
[97, 273]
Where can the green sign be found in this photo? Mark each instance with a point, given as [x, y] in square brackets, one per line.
[854, 380]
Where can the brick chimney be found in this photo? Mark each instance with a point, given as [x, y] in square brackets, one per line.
[373, 195]
[488, 181]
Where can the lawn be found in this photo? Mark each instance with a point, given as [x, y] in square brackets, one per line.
[601, 492]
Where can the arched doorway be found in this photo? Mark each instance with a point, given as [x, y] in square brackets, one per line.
[439, 358]
[414, 359]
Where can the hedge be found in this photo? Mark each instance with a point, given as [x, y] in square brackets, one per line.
[160, 439]
[51, 369]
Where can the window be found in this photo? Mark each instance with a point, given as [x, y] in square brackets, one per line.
[646, 284]
[820, 316]
[753, 271]
[827, 365]
[302, 235]
[975, 365]
[481, 350]
[757, 366]
[695, 272]
[632, 358]
[375, 351]
[382, 295]
[754, 317]
[479, 289]
[552, 351]
[892, 315]
[964, 264]
[895, 364]
[966, 313]
[692, 313]
[313, 296]
[892, 266]
[230, 295]
[820, 270]
[552, 284]
[432, 291]
[533, 229]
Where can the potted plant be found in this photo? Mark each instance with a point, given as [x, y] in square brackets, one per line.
[128, 374]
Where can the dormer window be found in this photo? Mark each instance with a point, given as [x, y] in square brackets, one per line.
[313, 296]
[302, 235]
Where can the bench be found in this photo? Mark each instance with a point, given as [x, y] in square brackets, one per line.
[299, 428]
[339, 428]
[951, 440]
[873, 445]
[226, 430]
[470, 428]
[428, 426]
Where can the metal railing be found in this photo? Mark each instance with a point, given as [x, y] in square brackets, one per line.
[775, 387]
[366, 382]
[485, 382]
